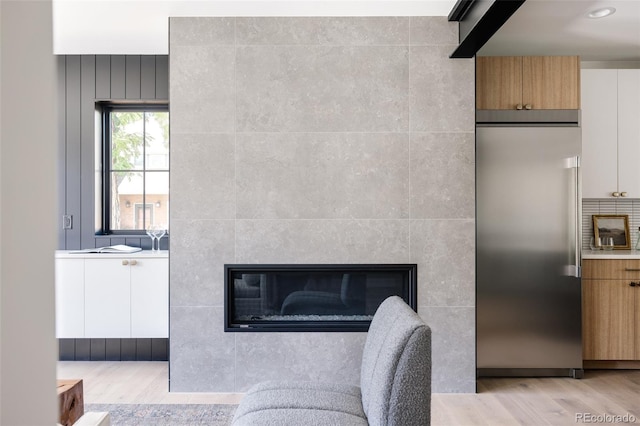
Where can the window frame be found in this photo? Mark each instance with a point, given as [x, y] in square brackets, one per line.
[105, 109]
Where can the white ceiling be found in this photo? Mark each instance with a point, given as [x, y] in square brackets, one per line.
[551, 27]
[142, 26]
[539, 27]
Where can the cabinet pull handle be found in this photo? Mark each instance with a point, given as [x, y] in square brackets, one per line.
[134, 262]
[615, 194]
[632, 284]
[623, 194]
[528, 106]
[519, 106]
[632, 269]
[125, 262]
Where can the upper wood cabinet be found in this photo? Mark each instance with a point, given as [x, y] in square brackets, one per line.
[528, 82]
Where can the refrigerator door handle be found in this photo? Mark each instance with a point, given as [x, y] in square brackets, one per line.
[575, 218]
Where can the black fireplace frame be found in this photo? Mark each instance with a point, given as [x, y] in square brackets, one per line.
[231, 325]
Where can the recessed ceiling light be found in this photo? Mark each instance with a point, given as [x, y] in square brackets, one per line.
[601, 13]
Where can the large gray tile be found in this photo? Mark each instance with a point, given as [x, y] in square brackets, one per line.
[322, 88]
[330, 357]
[453, 348]
[442, 91]
[202, 72]
[202, 89]
[322, 241]
[200, 116]
[323, 175]
[203, 176]
[323, 31]
[202, 355]
[442, 175]
[199, 250]
[445, 253]
[433, 30]
[201, 31]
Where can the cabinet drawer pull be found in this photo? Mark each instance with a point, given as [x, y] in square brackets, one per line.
[125, 262]
[134, 262]
[632, 284]
[632, 269]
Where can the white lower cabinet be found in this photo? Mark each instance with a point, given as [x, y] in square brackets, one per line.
[150, 298]
[69, 298]
[107, 298]
[112, 297]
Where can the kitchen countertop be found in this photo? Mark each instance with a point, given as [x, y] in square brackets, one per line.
[611, 254]
[137, 254]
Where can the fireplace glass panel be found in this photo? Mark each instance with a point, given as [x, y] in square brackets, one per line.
[311, 297]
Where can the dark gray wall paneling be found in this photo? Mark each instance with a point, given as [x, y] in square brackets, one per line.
[87, 150]
[132, 81]
[103, 77]
[118, 77]
[83, 80]
[73, 150]
[162, 77]
[148, 77]
[113, 349]
[62, 155]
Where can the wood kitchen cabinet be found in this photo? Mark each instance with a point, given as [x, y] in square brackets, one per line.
[611, 310]
[527, 82]
[112, 296]
[610, 133]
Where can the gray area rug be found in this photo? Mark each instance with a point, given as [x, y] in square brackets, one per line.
[166, 414]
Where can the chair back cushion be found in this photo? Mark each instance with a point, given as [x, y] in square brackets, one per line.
[396, 367]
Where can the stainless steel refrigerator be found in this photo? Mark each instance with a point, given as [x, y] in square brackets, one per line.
[528, 244]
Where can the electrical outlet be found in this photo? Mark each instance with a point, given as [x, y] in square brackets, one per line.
[67, 221]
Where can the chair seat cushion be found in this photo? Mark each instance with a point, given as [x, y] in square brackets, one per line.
[297, 403]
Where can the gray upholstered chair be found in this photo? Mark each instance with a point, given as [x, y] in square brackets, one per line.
[395, 382]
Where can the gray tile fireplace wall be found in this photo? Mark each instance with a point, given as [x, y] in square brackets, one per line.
[318, 140]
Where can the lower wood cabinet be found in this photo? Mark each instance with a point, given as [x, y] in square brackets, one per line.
[611, 310]
[112, 297]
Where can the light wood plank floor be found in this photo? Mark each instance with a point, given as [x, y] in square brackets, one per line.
[517, 401]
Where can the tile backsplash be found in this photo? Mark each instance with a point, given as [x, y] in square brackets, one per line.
[628, 207]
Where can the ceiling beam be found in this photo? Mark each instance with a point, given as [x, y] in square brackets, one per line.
[479, 20]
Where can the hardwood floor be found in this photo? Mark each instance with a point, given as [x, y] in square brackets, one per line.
[134, 382]
[512, 401]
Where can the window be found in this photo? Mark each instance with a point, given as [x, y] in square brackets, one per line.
[135, 165]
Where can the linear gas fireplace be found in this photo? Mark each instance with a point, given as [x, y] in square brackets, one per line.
[312, 297]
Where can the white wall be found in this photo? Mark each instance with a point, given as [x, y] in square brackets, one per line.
[27, 224]
[140, 27]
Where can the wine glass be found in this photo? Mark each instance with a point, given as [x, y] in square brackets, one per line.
[607, 243]
[595, 243]
[159, 233]
[152, 235]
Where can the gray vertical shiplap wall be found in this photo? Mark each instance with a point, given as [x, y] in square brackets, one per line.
[318, 140]
[82, 80]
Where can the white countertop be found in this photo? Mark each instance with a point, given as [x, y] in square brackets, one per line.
[139, 254]
[611, 254]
